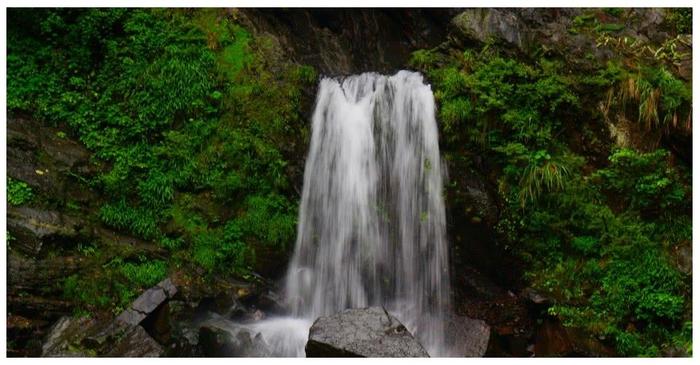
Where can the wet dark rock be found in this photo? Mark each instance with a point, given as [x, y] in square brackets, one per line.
[224, 304]
[366, 332]
[135, 342]
[47, 160]
[33, 228]
[472, 214]
[682, 255]
[85, 336]
[159, 323]
[257, 315]
[477, 285]
[26, 333]
[64, 334]
[271, 302]
[483, 25]
[347, 41]
[38, 308]
[185, 340]
[30, 275]
[46, 235]
[467, 337]
[236, 310]
[509, 316]
[226, 339]
[553, 339]
[507, 343]
[147, 302]
[536, 299]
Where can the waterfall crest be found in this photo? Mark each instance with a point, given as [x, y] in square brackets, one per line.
[371, 225]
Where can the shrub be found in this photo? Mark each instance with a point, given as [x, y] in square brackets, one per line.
[661, 101]
[644, 180]
[18, 192]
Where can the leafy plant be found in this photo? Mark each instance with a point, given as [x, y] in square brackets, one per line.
[681, 19]
[18, 192]
[146, 273]
[644, 180]
[541, 175]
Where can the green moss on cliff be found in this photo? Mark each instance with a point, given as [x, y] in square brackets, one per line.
[18, 192]
[596, 237]
[192, 115]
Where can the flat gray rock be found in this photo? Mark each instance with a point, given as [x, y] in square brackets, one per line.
[366, 332]
[147, 302]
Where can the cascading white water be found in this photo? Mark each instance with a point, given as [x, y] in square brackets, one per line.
[372, 219]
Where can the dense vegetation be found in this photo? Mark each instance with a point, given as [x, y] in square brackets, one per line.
[596, 237]
[182, 108]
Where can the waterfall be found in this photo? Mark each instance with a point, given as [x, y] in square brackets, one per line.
[372, 219]
[371, 226]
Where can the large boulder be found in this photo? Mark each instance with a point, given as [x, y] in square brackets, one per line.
[365, 332]
[483, 25]
[85, 336]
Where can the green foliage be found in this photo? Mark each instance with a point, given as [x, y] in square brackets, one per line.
[609, 27]
[502, 99]
[146, 273]
[220, 247]
[192, 117]
[616, 12]
[139, 221]
[645, 181]
[589, 21]
[604, 77]
[115, 284]
[616, 274]
[88, 249]
[454, 111]
[681, 19]
[423, 58]
[585, 244]
[594, 238]
[18, 192]
[661, 100]
[542, 174]
[270, 219]
[75, 288]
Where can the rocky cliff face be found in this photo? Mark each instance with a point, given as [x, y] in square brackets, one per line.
[347, 41]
